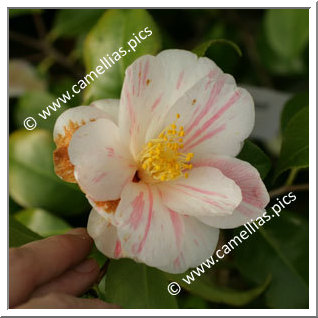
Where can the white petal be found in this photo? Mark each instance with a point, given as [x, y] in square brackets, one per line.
[65, 126]
[216, 115]
[104, 235]
[109, 106]
[254, 194]
[145, 226]
[102, 164]
[206, 192]
[199, 243]
[151, 87]
[158, 236]
[78, 116]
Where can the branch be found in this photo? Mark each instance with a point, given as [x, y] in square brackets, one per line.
[288, 188]
[103, 271]
[45, 47]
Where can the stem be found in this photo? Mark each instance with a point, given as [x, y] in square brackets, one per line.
[292, 176]
[288, 188]
[103, 271]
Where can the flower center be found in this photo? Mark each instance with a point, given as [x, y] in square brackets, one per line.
[161, 158]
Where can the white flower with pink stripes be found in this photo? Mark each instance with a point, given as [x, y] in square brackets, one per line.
[158, 166]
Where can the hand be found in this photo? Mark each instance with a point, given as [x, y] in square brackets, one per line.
[50, 272]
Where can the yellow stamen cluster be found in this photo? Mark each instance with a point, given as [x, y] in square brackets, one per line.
[161, 158]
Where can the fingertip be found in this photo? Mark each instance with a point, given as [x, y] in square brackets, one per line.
[78, 231]
[81, 233]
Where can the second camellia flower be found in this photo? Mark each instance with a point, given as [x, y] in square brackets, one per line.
[158, 166]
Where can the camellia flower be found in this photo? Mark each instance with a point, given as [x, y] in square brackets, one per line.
[158, 165]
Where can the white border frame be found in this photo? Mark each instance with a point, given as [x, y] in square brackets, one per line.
[312, 155]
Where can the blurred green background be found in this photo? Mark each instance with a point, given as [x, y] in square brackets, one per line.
[50, 50]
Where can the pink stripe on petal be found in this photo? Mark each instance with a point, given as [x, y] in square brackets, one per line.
[150, 212]
[156, 103]
[177, 226]
[117, 250]
[176, 263]
[215, 91]
[215, 117]
[205, 137]
[131, 113]
[110, 152]
[138, 207]
[211, 202]
[202, 191]
[180, 80]
[254, 193]
[99, 177]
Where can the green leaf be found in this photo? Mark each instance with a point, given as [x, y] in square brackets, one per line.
[256, 157]
[113, 31]
[134, 285]
[32, 103]
[19, 234]
[42, 222]
[287, 30]
[98, 256]
[291, 108]
[32, 181]
[201, 49]
[295, 146]
[192, 302]
[280, 249]
[214, 293]
[60, 87]
[275, 63]
[13, 206]
[72, 22]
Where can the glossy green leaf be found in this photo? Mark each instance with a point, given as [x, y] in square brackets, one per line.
[134, 285]
[274, 62]
[211, 292]
[19, 234]
[256, 157]
[280, 249]
[115, 30]
[42, 222]
[295, 146]
[291, 108]
[201, 49]
[32, 181]
[32, 103]
[287, 30]
[72, 22]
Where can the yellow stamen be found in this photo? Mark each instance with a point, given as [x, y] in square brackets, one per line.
[161, 160]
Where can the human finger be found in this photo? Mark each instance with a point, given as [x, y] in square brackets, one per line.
[63, 301]
[37, 262]
[73, 282]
